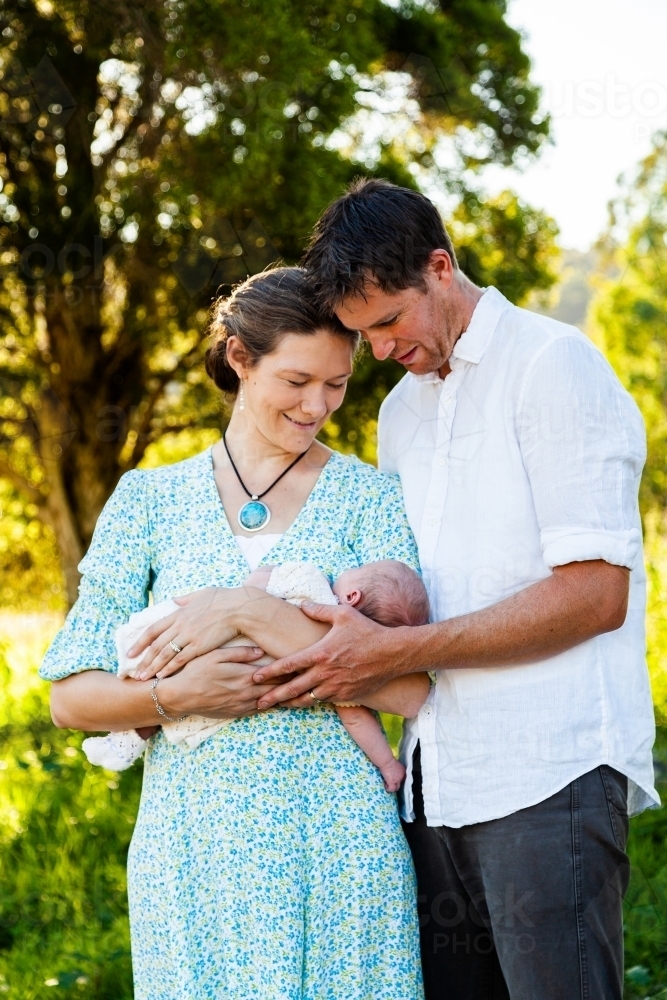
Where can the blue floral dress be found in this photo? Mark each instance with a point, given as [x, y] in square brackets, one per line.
[269, 862]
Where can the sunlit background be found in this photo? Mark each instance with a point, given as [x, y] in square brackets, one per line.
[602, 67]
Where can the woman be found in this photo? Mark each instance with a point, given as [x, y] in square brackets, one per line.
[269, 862]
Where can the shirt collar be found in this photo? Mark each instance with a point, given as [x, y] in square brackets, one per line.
[473, 342]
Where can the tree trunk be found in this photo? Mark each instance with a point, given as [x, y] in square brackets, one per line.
[58, 514]
[54, 434]
[82, 422]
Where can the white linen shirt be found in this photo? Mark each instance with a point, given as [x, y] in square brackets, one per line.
[527, 456]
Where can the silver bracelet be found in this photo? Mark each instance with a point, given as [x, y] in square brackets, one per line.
[159, 707]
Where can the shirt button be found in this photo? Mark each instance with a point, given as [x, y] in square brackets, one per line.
[441, 461]
[432, 521]
[448, 400]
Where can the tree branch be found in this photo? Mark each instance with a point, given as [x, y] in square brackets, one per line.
[142, 440]
[143, 437]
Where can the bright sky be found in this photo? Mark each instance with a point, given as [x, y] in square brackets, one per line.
[603, 68]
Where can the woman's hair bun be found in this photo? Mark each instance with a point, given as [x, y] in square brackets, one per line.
[260, 311]
[217, 366]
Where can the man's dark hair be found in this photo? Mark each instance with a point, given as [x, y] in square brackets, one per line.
[375, 232]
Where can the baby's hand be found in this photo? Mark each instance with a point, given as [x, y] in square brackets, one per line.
[259, 577]
[393, 775]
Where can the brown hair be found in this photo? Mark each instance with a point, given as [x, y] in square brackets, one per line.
[260, 311]
[394, 594]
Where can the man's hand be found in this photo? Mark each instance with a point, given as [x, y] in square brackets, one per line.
[576, 602]
[357, 656]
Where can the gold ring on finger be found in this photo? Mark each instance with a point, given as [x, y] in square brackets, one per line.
[176, 648]
[316, 700]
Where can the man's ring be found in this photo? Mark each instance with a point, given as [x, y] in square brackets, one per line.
[176, 648]
[316, 700]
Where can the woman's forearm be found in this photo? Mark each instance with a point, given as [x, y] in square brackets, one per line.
[96, 701]
[218, 685]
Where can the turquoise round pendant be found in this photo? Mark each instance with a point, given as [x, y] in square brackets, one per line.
[254, 515]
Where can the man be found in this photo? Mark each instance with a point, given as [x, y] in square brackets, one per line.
[520, 456]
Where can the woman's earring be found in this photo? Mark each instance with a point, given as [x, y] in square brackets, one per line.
[241, 397]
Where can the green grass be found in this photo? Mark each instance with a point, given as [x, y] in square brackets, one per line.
[646, 901]
[65, 828]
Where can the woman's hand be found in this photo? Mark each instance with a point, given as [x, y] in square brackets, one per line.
[97, 701]
[206, 622]
[211, 686]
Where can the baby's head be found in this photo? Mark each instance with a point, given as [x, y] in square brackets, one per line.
[389, 592]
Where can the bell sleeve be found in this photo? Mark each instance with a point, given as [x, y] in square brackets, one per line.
[116, 576]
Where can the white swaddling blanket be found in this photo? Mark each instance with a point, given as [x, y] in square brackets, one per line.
[292, 581]
[298, 582]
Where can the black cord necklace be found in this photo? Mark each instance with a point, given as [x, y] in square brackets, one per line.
[255, 515]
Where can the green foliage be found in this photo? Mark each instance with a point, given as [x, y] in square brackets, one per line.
[28, 555]
[468, 40]
[205, 118]
[655, 553]
[628, 321]
[645, 909]
[629, 313]
[152, 152]
[65, 828]
[501, 241]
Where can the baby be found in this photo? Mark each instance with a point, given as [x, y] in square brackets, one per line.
[387, 591]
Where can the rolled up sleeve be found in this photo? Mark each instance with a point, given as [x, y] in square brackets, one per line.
[583, 446]
[566, 545]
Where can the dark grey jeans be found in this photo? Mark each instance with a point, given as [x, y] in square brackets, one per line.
[528, 907]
